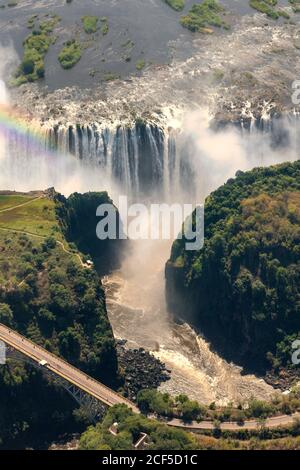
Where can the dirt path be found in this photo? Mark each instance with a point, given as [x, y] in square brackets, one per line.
[276, 421]
[43, 237]
[84, 265]
[21, 205]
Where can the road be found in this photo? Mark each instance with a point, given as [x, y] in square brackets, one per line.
[109, 397]
[63, 369]
[98, 390]
[252, 425]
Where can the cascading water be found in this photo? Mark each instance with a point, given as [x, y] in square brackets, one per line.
[135, 294]
[147, 161]
[134, 157]
[144, 159]
[139, 160]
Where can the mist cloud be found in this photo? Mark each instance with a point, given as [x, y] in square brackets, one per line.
[8, 62]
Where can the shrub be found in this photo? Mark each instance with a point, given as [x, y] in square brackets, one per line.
[202, 15]
[260, 409]
[177, 5]
[140, 64]
[104, 27]
[27, 66]
[70, 54]
[90, 24]
[6, 314]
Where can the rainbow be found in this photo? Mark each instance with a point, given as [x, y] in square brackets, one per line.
[13, 123]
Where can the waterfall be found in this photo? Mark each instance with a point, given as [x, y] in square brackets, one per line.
[145, 159]
[140, 159]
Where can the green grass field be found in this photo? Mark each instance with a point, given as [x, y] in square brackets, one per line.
[25, 223]
[37, 216]
[7, 201]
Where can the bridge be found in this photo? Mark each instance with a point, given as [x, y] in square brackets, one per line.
[95, 396]
[84, 389]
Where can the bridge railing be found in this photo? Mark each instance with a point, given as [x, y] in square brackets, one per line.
[58, 358]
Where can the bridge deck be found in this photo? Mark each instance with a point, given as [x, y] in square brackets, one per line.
[63, 369]
[109, 397]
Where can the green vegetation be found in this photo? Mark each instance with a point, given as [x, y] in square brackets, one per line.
[70, 54]
[177, 5]
[277, 439]
[163, 437]
[151, 401]
[245, 282]
[12, 200]
[48, 296]
[288, 443]
[268, 7]
[47, 26]
[140, 65]
[110, 76]
[202, 15]
[265, 6]
[31, 21]
[104, 26]
[36, 46]
[37, 218]
[165, 406]
[90, 24]
[81, 209]
[130, 426]
[296, 5]
[128, 46]
[32, 67]
[283, 14]
[255, 443]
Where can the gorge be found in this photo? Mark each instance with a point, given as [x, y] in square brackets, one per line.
[162, 164]
[160, 113]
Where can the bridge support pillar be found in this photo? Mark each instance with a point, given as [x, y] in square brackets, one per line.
[2, 353]
[93, 408]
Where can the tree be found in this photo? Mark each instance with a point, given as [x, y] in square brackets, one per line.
[240, 417]
[70, 344]
[190, 410]
[49, 244]
[6, 314]
[260, 409]
[251, 253]
[27, 66]
[40, 70]
[145, 399]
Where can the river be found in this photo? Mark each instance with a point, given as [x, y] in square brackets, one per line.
[137, 311]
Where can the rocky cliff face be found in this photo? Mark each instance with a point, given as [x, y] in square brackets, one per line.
[49, 294]
[242, 288]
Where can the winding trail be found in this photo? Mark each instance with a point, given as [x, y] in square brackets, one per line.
[98, 390]
[21, 205]
[43, 237]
